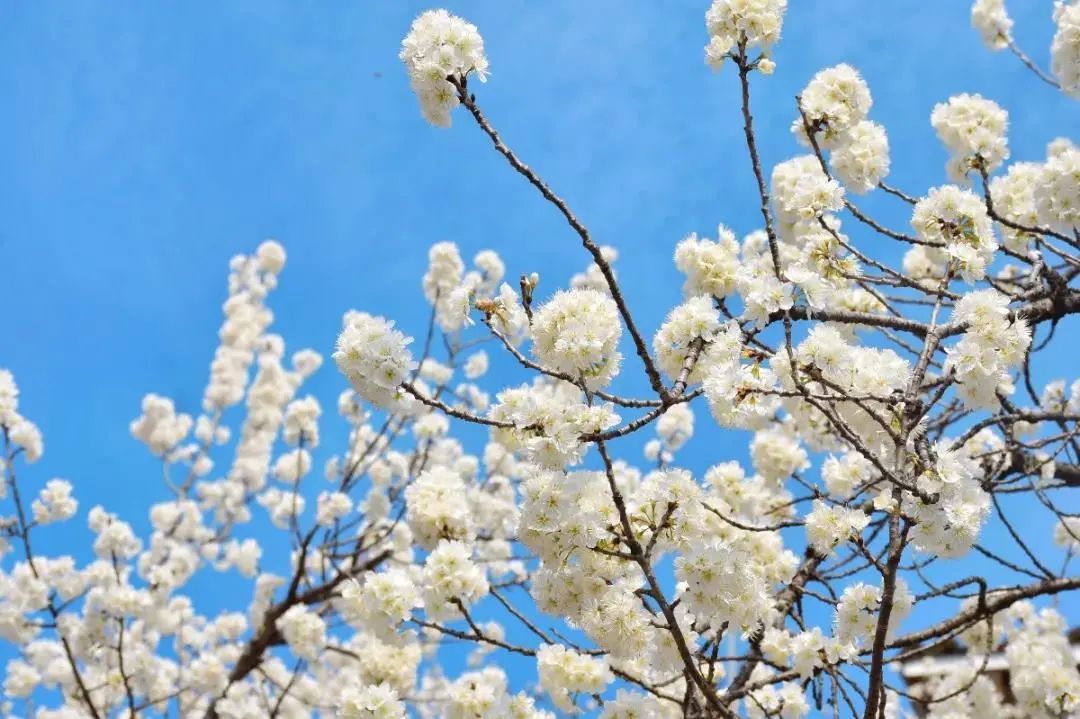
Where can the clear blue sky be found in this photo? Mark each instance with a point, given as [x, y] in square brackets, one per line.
[143, 144]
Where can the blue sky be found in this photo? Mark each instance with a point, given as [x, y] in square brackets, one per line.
[143, 144]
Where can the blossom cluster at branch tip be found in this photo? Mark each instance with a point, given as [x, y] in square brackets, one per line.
[992, 344]
[374, 357]
[1065, 47]
[835, 100]
[973, 129]
[991, 19]
[833, 108]
[1057, 191]
[440, 50]
[747, 23]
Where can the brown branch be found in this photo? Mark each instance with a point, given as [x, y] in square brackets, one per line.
[469, 101]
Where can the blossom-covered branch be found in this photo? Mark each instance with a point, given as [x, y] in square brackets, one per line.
[535, 509]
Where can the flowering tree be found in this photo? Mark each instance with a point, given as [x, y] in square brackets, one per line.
[890, 409]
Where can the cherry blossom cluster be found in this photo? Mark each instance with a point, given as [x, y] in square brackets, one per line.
[973, 129]
[991, 19]
[374, 356]
[833, 109]
[1065, 48]
[439, 53]
[743, 24]
[993, 343]
[577, 332]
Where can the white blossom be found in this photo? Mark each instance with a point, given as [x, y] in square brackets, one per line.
[729, 21]
[577, 332]
[378, 701]
[695, 319]
[957, 220]
[451, 578]
[441, 46]
[835, 100]
[563, 671]
[827, 526]
[438, 507]
[1057, 192]
[55, 503]
[373, 356]
[303, 630]
[1065, 47]
[973, 129]
[860, 158]
[992, 343]
[710, 266]
[992, 21]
